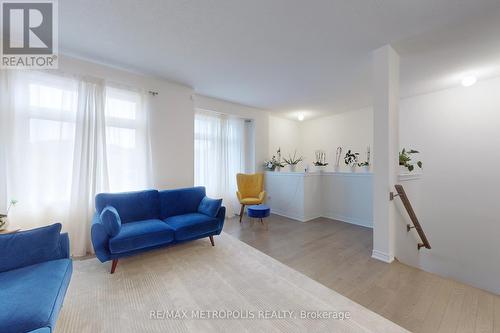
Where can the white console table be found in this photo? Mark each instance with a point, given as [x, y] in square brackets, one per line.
[303, 196]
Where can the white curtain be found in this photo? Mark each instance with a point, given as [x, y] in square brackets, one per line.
[219, 155]
[59, 149]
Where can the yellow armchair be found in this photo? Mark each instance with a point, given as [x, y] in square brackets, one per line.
[250, 190]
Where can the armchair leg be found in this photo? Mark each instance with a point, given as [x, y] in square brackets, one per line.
[113, 265]
[212, 240]
[242, 211]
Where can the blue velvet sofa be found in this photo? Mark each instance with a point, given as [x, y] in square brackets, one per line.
[35, 271]
[133, 222]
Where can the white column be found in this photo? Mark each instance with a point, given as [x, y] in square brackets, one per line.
[386, 146]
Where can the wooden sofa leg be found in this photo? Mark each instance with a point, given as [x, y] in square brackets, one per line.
[212, 240]
[242, 211]
[113, 265]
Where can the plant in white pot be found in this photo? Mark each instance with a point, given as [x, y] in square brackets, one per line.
[292, 161]
[351, 160]
[405, 160]
[320, 162]
[4, 222]
[274, 164]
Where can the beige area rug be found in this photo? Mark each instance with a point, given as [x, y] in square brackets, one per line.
[194, 287]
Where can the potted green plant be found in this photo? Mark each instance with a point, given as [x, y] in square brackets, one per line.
[405, 160]
[292, 161]
[320, 162]
[4, 222]
[274, 164]
[351, 160]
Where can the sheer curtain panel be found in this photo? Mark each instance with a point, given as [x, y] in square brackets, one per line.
[219, 155]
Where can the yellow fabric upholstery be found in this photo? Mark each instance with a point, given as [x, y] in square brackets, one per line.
[250, 188]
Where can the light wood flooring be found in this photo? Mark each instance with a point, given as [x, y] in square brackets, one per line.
[338, 255]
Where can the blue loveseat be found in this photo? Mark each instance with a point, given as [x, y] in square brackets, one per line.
[133, 222]
[35, 271]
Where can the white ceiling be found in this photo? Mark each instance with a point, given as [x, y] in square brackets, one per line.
[287, 55]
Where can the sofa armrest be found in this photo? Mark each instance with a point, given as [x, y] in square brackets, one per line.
[100, 239]
[221, 215]
[64, 245]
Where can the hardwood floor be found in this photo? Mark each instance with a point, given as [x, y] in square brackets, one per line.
[338, 255]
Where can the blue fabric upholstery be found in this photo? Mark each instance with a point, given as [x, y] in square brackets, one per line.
[111, 220]
[188, 225]
[180, 201]
[29, 247]
[179, 222]
[259, 211]
[140, 235]
[209, 206]
[31, 295]
[131, 206]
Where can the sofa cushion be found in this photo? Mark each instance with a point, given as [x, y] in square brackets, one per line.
[111, 220]
[31, 297]
[141, 234]
[131, 206]
[180, 201]
[209, 207]
[189, 226]
[30, 247]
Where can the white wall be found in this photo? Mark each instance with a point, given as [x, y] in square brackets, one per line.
[458, 197]
[172, 120]
[350, 130]
[259, 117]
[284, 134]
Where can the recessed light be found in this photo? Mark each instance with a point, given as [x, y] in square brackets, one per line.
[468, 81]
[300, 116]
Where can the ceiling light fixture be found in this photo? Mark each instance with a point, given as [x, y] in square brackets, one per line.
[300, 116]
[468, 81]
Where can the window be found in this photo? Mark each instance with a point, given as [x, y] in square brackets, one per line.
[126, 140]
[219, 155]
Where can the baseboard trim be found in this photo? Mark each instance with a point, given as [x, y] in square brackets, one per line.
[382, 256]
[347, 219]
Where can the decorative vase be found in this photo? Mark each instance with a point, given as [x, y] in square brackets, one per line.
[353, 168]
[293, 167]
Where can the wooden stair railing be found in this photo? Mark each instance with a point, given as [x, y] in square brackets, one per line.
[413, 217]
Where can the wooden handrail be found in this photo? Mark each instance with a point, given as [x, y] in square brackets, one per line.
[413, 217]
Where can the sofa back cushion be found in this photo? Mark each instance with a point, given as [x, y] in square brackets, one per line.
[30, 247]
[180, 201]
[131, 206]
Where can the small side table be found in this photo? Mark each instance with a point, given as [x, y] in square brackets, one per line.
[8, 231]
[260, 212]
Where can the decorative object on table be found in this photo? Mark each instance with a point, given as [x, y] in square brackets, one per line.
[250, 190]
[351, 159]
[338, 155]
[260, 212]
[366, 164]
[275, 164]
[4, 222]
[292, 161]
[320, 162]
[405, 160]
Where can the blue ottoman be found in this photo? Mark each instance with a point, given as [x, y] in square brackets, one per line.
[259, 212]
